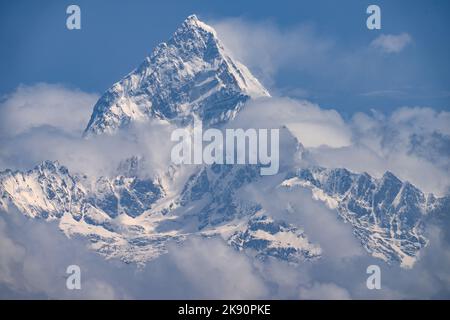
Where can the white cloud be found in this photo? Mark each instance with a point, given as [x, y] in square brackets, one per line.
[35, 255]
[390, 43]
[413, 143]
[45, 122]
[45, 104]
[324, 291]
[206, 265]
[310, 124]
[318, 64]
[265, 48]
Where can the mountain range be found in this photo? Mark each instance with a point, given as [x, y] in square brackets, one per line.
[132, 218]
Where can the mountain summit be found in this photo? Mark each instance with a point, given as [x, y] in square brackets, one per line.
[191, 74]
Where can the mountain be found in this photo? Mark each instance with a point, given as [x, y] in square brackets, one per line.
[133, 218]
[49, 191]
[191, 74]
[387, 215]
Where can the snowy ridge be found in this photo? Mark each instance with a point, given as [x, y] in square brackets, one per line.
[387, 215]
[121, 219]
[49, 191]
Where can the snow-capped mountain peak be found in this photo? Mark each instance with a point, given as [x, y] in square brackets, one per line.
[190, 74]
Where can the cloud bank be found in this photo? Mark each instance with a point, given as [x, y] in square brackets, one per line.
[411, 142]
[46, 121]
[34, 256]
[265, 48]
[43, 104]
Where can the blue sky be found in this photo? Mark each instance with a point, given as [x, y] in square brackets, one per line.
[353, 76]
